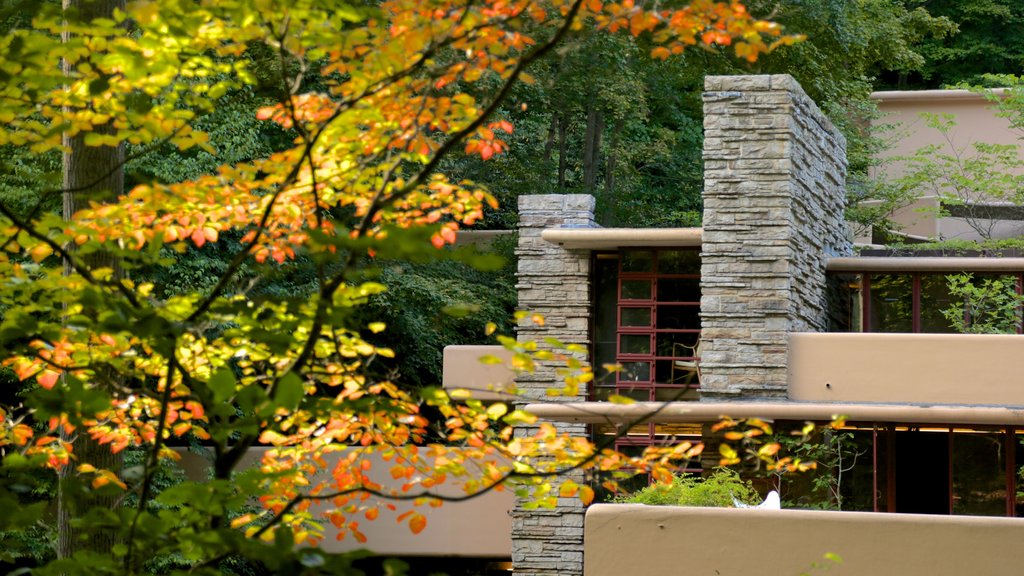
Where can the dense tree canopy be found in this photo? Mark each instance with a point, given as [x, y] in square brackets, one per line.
[989, 40]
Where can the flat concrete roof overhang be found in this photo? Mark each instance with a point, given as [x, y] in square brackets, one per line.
[930, 95]
[924, 264]
[612, 238]
[698, 412]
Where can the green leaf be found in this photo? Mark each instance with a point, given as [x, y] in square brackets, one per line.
[289, 391]
[99, 85]
[222, 384]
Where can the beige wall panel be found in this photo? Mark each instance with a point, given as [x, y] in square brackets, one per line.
[478, 528]
[974, 369]
[462, 370]
[635, 539]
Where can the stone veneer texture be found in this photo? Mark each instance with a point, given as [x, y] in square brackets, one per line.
[774, 179]
[554, 282]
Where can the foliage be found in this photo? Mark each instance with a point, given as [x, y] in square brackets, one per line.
[984, 305]
[719, 489]
[988, 40]
[956, 247]
[428, 306]
[832, 454]
[373, 99]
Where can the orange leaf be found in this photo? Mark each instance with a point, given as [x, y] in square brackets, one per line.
[586, 495]
[47, 378]
[417, 523]
[198, 238]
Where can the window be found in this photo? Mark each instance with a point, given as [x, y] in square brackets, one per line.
[946, 470]
[917, 302]
[647, 320]
[920, 469]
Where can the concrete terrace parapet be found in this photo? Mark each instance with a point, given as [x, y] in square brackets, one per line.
[554, 282]
[774, 178]
[637, 539]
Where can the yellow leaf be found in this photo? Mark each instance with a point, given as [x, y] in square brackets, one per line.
[496, 411]
[727, 451]
[568, 489]
[41, 252]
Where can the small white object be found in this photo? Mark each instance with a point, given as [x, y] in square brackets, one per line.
[771, 502]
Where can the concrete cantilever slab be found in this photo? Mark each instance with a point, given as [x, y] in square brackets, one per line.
[909, 265]
[612, 238]
[698, 412]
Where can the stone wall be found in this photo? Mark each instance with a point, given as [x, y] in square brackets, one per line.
[554, 282]
[774, 178]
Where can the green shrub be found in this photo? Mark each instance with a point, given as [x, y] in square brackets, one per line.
[717, 490]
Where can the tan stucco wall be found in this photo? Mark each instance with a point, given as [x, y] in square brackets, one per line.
[479, 528]
[906, 132]
[463, 373]
[976, 121]
[974, 369]
[652, 540]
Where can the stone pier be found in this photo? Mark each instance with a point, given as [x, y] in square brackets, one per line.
[774, 189]
[555, 283]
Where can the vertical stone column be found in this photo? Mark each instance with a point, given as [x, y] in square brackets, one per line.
[774, 181]
[554, 282]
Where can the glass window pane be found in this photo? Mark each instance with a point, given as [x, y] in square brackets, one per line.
[891, 303]
[638, 261]
[640, 394]
[990, 302]
[636, 289]
[937, 303]
[979, 474]
[634, 344]
[677, 393]
[1018, 453]
[635, 372]
[606, 275]
[679, 262]
[679, 290]
[676, 344]
[635, 317]
[678, 317]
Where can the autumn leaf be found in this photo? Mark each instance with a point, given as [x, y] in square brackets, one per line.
[417, 523]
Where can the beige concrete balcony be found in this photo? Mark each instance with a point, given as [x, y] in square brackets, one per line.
[923, 369]
[635, 539]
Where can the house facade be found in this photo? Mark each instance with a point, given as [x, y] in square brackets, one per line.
[785, 322]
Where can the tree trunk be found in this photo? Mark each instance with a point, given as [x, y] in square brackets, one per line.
[561, 153]
[591, 148]
[549, 142]
[91, 173]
